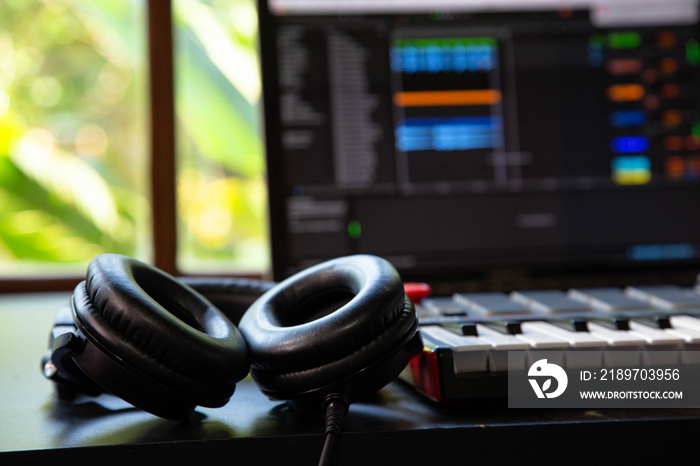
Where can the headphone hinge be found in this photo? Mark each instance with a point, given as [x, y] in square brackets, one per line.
[60, 367]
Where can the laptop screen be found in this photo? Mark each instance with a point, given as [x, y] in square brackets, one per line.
[498, 143]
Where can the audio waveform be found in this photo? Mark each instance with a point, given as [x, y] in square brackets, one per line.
[457, 55]
[449, 133]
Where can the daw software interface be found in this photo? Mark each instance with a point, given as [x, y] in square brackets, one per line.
[452, 136]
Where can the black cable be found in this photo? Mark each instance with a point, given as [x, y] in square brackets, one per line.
[325, 459]
[336, 407]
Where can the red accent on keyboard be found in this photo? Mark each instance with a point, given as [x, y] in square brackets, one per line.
[417, 291]
[426, 375]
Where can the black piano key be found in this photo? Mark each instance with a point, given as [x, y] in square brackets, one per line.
[464, 329]
[572, 325]
[508, 327]
[613, 323]
[659, 322]
[454, 313]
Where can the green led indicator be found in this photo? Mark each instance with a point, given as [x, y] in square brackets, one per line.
[354, 229]
[624, 40]
[692, 52]
[696, 130]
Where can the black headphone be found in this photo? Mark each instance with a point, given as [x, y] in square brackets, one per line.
[343, 328]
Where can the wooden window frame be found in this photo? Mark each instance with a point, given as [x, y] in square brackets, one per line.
[162, 156]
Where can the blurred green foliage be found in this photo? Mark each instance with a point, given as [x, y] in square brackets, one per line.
[221, 180]
[74, 135]
[73, 160]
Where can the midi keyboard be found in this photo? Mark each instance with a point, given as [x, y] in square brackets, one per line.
[467, 337]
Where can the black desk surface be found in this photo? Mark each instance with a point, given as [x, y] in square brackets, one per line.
[398, 426]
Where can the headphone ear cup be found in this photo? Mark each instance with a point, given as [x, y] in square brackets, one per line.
[344, 326]
[154, 341]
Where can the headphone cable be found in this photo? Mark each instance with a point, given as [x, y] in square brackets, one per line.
[336, 407]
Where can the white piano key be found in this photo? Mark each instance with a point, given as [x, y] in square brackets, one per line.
[615, 337]
[553, 357]
[550, 301]
[685, 322]
[608, 299]
[654, 336]
[490, 303]
[499, 361]
[623, 350]
[560, 306]
[666, 296]
[661, 356]
[690, 354]
[622, 356]
[575, 339]
[584, 358]
[501, 343]
[686, 327]
[454, 341]
[690, 335]
[575, 359]
[662, 346]
[466, 362]
[470, 354]
[539, 340]
[442, 307]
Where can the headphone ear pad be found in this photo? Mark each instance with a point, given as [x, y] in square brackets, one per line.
[343, 326]
[152, 338]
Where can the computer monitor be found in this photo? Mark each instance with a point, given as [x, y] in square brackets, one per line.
[485, 144]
